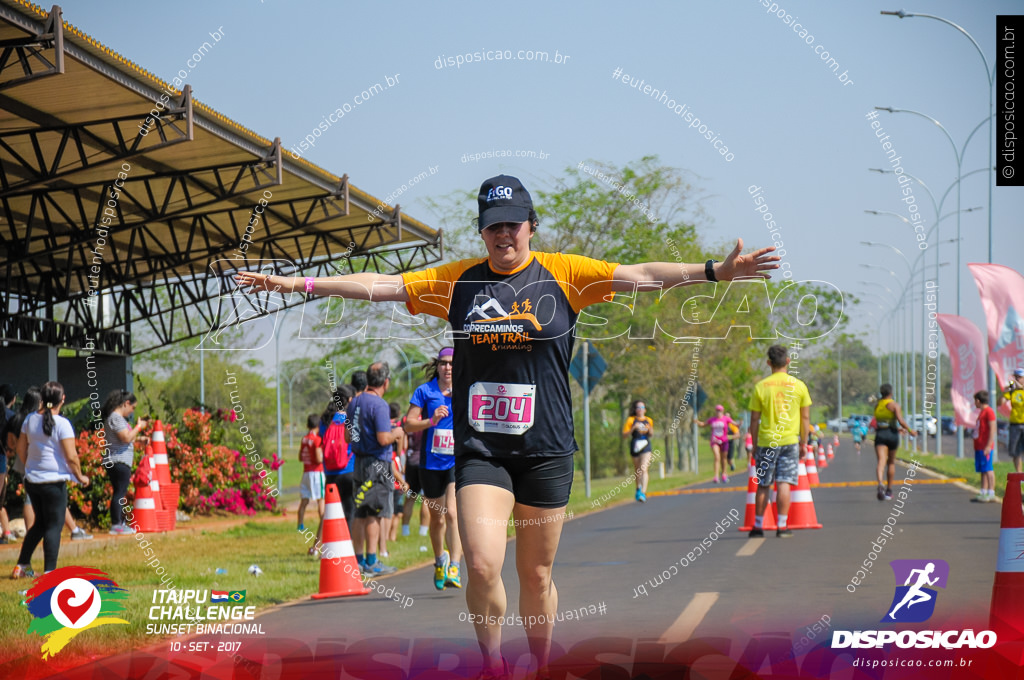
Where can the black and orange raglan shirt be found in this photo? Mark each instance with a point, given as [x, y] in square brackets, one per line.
[513, 336]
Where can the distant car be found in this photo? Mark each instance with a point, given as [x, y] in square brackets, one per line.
[948, 425]
[923, 423]
[837, 425]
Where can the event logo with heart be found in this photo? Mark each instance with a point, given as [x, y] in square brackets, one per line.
[70, 600]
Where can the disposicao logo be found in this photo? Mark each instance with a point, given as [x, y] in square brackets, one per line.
[70, 600]
[913, 602]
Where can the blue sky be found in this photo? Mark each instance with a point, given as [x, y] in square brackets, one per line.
[794, 129]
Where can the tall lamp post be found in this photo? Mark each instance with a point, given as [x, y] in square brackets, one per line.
[990, 77]
[939, 218]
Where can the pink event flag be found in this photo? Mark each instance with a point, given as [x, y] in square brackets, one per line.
[967, 356]
[1002, 297]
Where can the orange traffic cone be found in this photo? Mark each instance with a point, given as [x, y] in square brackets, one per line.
[831, 454]
[822, 460]
[1006, 615]
[812, 469]
[835, 441]
[801, 506]
[339, 571]
[163, 470]
[144, 510]
[751, 512]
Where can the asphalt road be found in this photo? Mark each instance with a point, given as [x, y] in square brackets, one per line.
[735, 602]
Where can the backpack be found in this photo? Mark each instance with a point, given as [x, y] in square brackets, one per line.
[336, 450]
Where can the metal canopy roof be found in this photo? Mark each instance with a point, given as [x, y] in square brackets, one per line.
[99, 201]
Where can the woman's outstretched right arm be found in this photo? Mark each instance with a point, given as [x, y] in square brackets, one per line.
[363, 286]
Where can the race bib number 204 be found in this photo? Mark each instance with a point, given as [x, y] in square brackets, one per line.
[506, 408]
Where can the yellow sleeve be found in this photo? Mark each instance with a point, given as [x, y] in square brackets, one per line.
[628, 426]
[584, 280]
[755, 401]
[430, 290]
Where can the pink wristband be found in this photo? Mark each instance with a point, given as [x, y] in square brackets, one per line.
[309, 284]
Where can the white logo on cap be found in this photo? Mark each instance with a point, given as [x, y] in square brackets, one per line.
[496, 193]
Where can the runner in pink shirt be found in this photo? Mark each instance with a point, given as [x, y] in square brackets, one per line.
[719, 425]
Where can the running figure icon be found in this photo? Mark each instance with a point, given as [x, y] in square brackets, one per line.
[915, 595]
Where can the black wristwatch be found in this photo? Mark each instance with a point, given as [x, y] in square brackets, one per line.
[709, 271]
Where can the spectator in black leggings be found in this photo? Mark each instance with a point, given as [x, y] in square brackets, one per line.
[119, 454]
[46, 447]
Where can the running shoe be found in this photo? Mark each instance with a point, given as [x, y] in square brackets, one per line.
[79, 535]
[756, 533]
[453, 578]
[784, 533]
[725, 479]
[980, 498]
[311, 551]
[491, 674]
[881, 493]
[22, 572]
[888, 493]
[441, 569]
[715, 480]
[361, 561]
[380, 569]
[643, 497]
[989, 499]
[638, 494]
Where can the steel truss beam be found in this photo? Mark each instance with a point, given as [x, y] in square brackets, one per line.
[180, 310]
[30, 53]
[83, 146]
[142, 200]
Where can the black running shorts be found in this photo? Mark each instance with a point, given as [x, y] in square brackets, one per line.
[537, 482]
[435, 482]
[888, 437]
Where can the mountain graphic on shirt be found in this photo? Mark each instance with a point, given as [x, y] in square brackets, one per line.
[493, 305]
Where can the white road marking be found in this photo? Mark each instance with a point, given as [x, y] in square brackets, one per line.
[750, 547]
[683, 627]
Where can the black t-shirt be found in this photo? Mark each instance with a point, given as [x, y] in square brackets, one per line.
[513, 343]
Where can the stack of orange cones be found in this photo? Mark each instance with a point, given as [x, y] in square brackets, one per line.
[144, 510]
[812, 469]
[163, 470]
[801, 506]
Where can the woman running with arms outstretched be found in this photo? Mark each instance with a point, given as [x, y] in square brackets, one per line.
[512, 314]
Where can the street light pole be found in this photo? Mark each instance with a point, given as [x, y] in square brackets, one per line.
[990, 76]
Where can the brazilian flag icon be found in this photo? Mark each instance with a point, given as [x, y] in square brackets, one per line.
[237, 596]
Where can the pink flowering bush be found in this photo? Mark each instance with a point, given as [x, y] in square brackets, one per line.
[212, 476]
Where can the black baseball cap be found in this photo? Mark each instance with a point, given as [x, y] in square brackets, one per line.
[503, 199]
